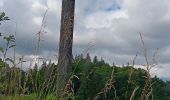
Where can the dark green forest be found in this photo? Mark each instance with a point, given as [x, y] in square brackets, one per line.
[91, 79]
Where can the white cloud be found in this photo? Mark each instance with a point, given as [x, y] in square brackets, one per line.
[84, 39]
[159, 70]
[166, 17]
[1, 3]
[103, 19]
[54, 6]
[37, 6]
[37, 20]
[131, 4]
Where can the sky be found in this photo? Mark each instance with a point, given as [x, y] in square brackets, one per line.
[106, 28]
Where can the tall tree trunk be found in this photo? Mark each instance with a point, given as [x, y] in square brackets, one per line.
[65, 46]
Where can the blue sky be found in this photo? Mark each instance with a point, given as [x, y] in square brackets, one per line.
[106, 28]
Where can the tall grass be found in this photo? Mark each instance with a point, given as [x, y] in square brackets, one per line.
[147, 90]
[15, 90]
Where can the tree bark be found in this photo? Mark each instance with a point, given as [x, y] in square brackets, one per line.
[65, 45]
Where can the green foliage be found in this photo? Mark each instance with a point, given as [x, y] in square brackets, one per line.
[25, 97]
[92, 82]
[1, 50]
[3, 17]
[10, 41]
[94, 76]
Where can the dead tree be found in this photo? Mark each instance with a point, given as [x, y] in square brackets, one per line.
[65, 45]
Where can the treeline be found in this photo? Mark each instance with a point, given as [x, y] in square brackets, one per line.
[90, 79]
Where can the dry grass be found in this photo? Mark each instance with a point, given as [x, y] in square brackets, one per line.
[68, 91]
[147, 90]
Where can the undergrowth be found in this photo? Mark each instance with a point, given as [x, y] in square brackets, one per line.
[89, 80]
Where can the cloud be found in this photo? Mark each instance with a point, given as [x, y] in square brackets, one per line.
[37, 6]
[54, 6]
[103, 19]
[38, 20]
[1, 3]
[107, 28]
